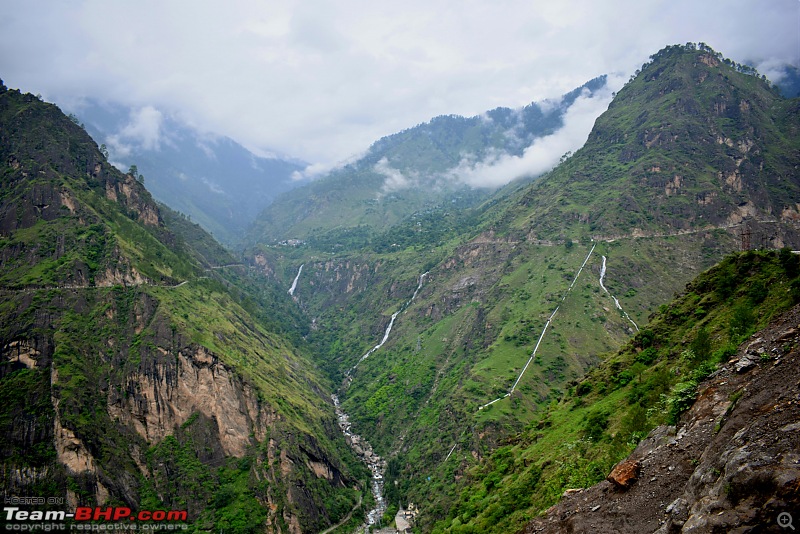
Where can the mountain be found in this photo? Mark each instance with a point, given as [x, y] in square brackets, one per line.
[486, 315]
[214, 180]
[789, 84]
[689, 143]
[494, 351]
[703, 400]
[138, 369]
[414, 170]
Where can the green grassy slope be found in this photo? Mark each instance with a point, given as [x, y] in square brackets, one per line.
[649, 381]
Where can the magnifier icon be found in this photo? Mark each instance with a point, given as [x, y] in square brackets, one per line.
[785, 520]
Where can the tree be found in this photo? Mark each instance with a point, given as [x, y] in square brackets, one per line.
[104, 150]
[701, 346]
[134, 171]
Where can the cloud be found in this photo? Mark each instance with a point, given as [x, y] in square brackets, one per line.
[209, 152]
[313, 171]
[317, 170]
[144, 128]
[500, 168]
[214, 188]
[394, 179]
[321, 81]
[773, 69]
[142, 132]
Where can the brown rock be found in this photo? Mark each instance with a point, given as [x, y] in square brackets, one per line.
[624, 474]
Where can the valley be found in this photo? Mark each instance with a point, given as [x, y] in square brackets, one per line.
[528, 291]
[388, 335]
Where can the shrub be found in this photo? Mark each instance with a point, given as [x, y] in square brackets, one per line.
[794, 290]
[701, 346]
[723, 354]
[634, 423]
[742, 323]
[757, 292]
[789, 261]
[645, 338]
[647, 356]
[595, 425]
[680, 400]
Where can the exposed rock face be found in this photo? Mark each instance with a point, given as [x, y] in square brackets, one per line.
[131, 194]
[22, 352]
[731, 465]
[71, 451]
[161, 397]
[176, 387]
[125, 276]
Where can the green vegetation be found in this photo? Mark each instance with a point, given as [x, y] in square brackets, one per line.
[116, 298]
[578, 439]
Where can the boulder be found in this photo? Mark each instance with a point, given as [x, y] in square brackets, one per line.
[625, 474]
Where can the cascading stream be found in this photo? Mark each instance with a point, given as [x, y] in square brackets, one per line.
[616, 302]
[361, 446]
[391, 322]
[296, 278]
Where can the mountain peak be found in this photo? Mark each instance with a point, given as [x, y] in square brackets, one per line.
[693, 138]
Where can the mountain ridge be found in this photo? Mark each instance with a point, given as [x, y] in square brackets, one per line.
[741, 141]
[412, 170]
[214, 180]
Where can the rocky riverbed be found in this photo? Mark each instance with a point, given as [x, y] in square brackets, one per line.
[375, 463]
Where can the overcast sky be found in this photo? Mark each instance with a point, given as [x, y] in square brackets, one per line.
[322, 80]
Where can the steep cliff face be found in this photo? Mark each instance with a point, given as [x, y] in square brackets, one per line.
[170, 388]
[129, 371]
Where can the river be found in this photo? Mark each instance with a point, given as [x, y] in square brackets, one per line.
[375, 463]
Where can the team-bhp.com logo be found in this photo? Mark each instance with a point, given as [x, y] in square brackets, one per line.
[18, 519]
